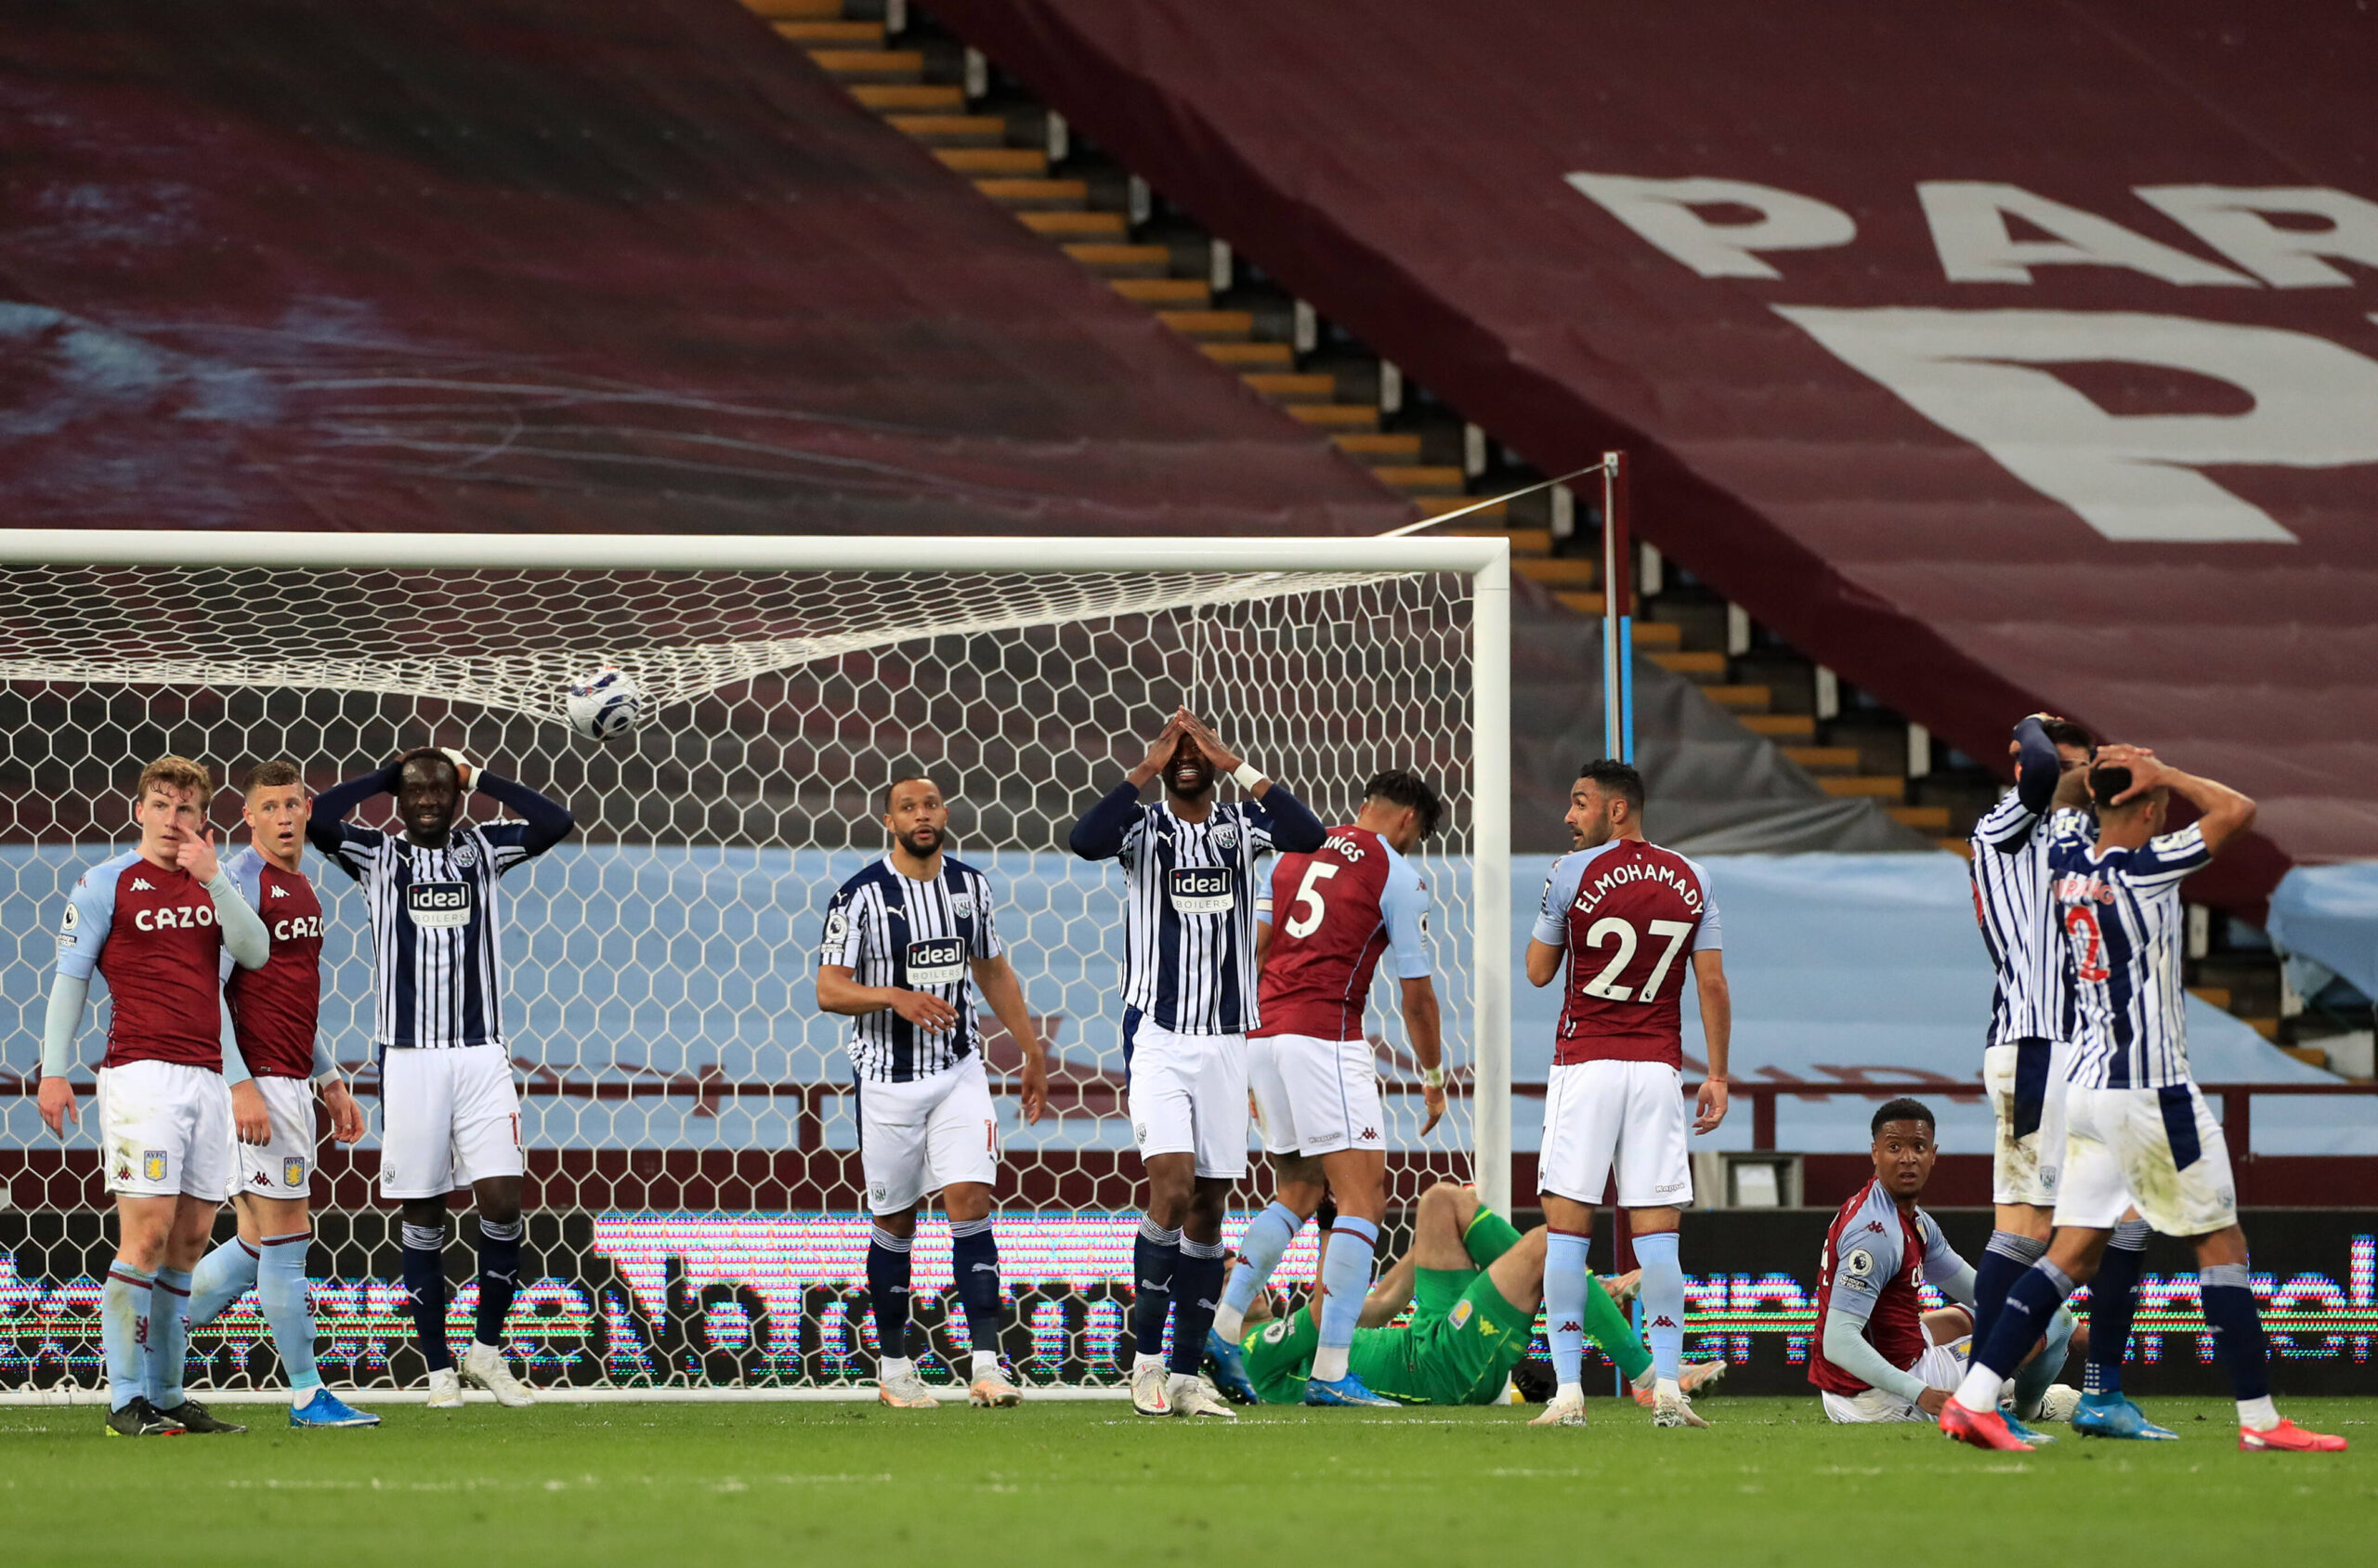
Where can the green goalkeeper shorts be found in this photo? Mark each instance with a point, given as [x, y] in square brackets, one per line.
[1463, 1357]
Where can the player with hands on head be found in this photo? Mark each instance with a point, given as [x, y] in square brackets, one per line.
[1628, 918]
[901, 939]
[2137, 1131]
[1190, 996]
[450, 1111]
[273, 1015]
[2028, 1054]
[1329, 919]
[155, 923]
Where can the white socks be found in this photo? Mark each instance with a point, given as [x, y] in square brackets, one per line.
[987, 1365]
[2257, 1415]
[890, 1367]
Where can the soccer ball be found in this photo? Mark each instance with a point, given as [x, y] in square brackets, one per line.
[606, 703]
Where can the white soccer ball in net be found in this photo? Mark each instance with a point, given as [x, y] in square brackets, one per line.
[606, 703]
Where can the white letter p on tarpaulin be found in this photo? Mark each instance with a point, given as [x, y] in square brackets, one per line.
[1666, 213]
[2134, 477]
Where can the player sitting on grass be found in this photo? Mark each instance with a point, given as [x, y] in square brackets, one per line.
[1474, 1282]
[155, 923]
[1879, 1356]
[2137, 1131]
[275, 1014]
[1315, 1076]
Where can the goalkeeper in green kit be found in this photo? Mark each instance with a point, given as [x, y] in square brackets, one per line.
[1474, 1284]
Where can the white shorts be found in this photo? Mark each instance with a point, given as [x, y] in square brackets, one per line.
[2026, 1170]
[1316, 1097]
[284, 1168]
[2159, 1149]
[1941, 1366]
[918, 1137]
[1624, 1116]
[165, 1130]
[448, 1118]
[1188, 1096]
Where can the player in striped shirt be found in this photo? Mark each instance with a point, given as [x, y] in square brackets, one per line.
[450, 1113]
[1189, 997]
[2138, 1130]
[901, 939]
[154, 922]
[274, 1015]
[2028, 1053]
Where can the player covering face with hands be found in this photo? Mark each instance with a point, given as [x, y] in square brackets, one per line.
[902, 939]
[155, 923]
[1189, 1000]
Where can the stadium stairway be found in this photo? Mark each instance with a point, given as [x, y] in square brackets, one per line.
[926, 82]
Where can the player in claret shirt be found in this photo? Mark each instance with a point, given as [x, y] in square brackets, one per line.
[1331, 916]
[154, 922]
[274, 1013]
[1880, 1356]
[1627, 916]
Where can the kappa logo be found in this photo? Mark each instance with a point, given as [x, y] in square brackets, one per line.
[279, 892]
[140, 884]
[1569, 1326]
[1663, 1321]
[1875, 1227]
[1368, 1135]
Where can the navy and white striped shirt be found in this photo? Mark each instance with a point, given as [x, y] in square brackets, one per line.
[1189, 901]
[2122, 925]
[2034, 997]
[888, 929]
[436, 969]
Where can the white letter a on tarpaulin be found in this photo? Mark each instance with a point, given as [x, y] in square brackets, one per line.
[1974, 373]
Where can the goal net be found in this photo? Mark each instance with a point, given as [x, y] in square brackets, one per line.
[693, 1178]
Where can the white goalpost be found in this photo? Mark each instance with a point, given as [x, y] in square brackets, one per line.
[693, 1159]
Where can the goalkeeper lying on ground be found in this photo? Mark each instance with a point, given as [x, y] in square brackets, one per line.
[1474, 1284]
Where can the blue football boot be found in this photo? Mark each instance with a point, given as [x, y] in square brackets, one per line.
[1347, 1390]
[1229, 1369]
[326, 1409]
[2113, 1415]
[2036, 1438]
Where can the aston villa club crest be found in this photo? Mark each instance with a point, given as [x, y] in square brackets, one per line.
[152, 1165]
[293, 1171]
[1225, 835]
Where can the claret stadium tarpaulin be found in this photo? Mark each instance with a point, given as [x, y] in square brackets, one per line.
[602, 266]
[2000, 355]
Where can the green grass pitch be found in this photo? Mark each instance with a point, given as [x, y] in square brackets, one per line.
[1088, 1482]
